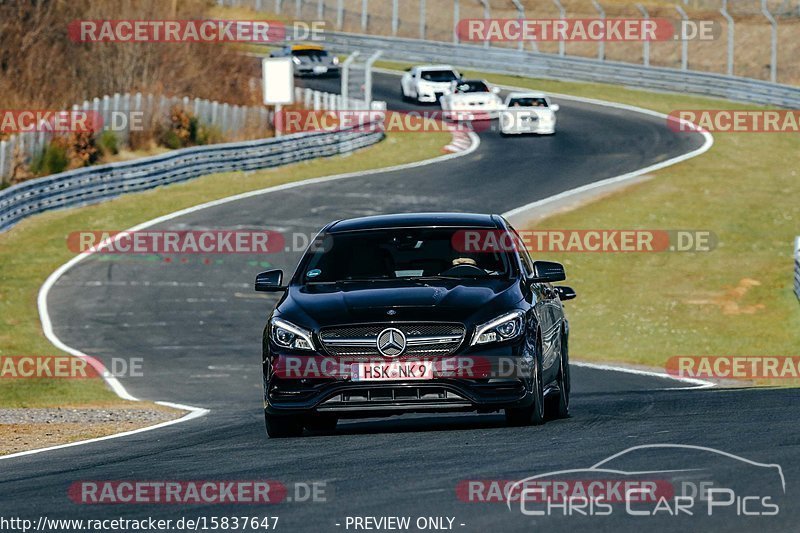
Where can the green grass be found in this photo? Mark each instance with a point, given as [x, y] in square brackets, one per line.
[37, 246]
[642, 308]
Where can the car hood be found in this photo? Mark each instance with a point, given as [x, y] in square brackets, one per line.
[487, 99]
[539, 112]
[320, 305]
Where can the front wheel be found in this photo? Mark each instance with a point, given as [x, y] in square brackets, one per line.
[532, 415]
[279, 427]
[557, 406]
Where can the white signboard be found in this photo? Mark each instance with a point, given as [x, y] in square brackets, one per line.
[278, 75]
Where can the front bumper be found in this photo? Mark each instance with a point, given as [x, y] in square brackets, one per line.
[497, 381]
[316, 70]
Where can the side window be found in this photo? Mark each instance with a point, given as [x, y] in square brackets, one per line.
[527, 262]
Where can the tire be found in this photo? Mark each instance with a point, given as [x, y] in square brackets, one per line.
[403, 96]
[281, 427]
[321, 422]
[532, 415]
[557, 406]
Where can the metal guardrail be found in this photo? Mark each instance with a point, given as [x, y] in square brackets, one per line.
[95, 184]
[549, 66]
[797, 267]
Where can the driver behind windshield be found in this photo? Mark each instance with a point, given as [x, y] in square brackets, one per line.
[380, 255]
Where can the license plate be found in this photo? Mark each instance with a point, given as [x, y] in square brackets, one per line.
[391, 371]
[320, 70]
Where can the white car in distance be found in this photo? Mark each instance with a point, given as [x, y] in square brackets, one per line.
[472, 100]
[529, 112]
[427, 83]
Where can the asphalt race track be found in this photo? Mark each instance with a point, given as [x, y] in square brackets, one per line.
[198, 328]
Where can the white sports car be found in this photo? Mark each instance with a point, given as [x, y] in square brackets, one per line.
[427, 83]
[528, 113]
[472, 100]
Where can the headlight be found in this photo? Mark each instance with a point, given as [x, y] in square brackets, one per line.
[502, 328]
[335, 60]
[296, 60]
[287, 335]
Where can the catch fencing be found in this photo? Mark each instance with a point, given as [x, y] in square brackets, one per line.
[95, 184]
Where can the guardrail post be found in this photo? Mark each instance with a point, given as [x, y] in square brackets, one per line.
[395, 16]
[797, 267]
[368, 77]
[364, 15]
[646, 44]
[773, 56]
[320, 9]
[422, 19]
[3, 159]
[521, 17]
[346, 73]
[601, 45]
[456, 18]
[684, 41]
[562, 46]
[339, 14]
[487, 14]
[731, 34]
[278, 6]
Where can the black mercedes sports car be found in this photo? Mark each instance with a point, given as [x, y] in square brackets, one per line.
[415, 313]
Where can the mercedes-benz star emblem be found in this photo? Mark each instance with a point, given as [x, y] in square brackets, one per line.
[391, 342]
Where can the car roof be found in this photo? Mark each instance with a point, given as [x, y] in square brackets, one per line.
[416, 220]
[435, 67]
[531, 94]
[300, 47]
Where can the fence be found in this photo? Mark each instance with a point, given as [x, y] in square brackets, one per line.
[539, 65]
[753, 38]
[124, 113]
[94, 184]
[797, 267]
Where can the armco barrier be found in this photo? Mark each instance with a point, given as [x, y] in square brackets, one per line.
[94, 184]
[550, 66]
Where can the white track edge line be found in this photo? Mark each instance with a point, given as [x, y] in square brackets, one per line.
[196, 412]
[698, 383]
[113, 382]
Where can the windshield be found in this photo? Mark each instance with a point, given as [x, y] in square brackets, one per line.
[528, 102]
[310, 53]
[438, 75]
[472, 87]
[399, 254]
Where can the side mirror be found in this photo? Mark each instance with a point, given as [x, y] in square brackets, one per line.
[555, 107]
[548, 272]
[270, 281]
[566, 293]
[496, 90]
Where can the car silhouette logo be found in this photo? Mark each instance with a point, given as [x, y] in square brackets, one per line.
[391, 342]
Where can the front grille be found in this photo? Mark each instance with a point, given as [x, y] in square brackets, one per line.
[423, 338]
[387, 394]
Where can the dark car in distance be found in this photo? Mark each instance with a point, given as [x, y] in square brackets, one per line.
[428, 312]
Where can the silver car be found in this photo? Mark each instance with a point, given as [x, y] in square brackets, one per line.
[310, 60]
